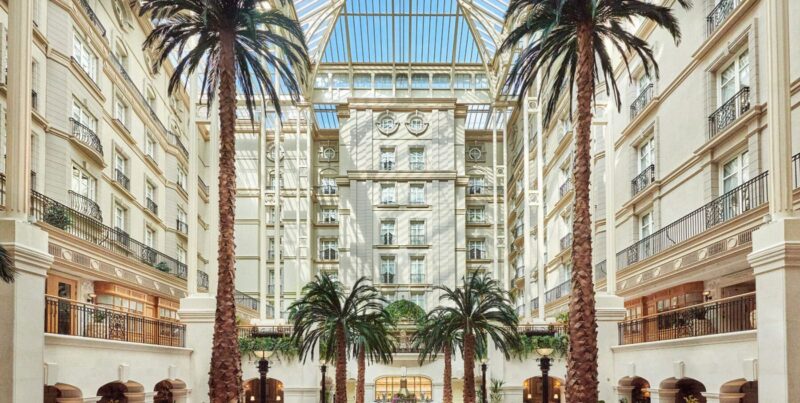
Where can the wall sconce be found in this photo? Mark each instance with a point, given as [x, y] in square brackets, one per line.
[91, 297]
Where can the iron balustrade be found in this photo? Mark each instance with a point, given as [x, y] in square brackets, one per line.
[719, 14]
[566, 242]
[122, 179]
[327, 190]
[387, 165]
[417, 239]
[152, 206]
[93, 17]
[641, 101]
[264, 331]
[565, 188]
[202, 280]
[643, 180]
[729, 112]
[86, 136]
[73, 318]
[387, 278]
[387, 239]
[535, 303]
[47, 210]
[734, 314]
[417, 279]
[748, 196]
[182, 227]
[85, 205]
[561, 290]
[600, 271]
[203, 186]
[142, 100]
[176, 141]
[476, 189]
[245, 300]
[329, 254]
[477, 254]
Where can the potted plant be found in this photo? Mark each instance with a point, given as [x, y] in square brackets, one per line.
[97, 327]
[57, 216]
[496, 390]
[162, 266]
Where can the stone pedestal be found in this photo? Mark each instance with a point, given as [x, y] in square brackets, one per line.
[610, 311]
[776, 264]
[197, 312]
[22, 309]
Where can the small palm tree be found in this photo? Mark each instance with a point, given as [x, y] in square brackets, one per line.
[478, 311]
[372, 339]
[234, 44]
[430, 340]
[329, 316]
[6, 266]
[571, 45]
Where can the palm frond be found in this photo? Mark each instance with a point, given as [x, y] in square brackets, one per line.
[7, 269]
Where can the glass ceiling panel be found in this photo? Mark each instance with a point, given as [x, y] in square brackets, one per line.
[326, 116]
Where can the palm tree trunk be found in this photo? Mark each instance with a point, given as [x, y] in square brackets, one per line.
[361, 369]
[582, 358]
[448, 375]
[469, 366]
[225, 380]
[341, 365]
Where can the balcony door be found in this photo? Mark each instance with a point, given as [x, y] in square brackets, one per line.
[60, 316]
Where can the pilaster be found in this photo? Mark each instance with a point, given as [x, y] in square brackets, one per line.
[197, 312]
[610, 311]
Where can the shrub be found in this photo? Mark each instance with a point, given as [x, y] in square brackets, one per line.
[57, 216]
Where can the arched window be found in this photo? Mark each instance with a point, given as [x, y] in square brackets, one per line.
[417, 387]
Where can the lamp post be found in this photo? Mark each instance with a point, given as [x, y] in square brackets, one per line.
[544, 364]
[263, 369]
[483, 379]
[322, 368]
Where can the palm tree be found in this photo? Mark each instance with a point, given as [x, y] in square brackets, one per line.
[329, 316]
[372, 339]
[478, 311]
[6, 266]
[235, 44]
[572, 42]
[430, 340]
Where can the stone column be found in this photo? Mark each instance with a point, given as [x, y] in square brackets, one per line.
[197, 312]
[610, 311]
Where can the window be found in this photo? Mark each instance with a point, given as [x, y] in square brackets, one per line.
[150, 237]
[84, 56]
[383, 81]
[417, 270]
[645, 225]
[388, 387]
[83, 183]
[417, 233]
[401, 81]
[418, 299]
[81, 115]
[481, 82]
[362, 81]
[476, 214]
[150, 197]
[387, 159]
[271, 181]
[388, 194]
[182, 222]
[329, 249]
[463, 81]
[420, 82]
[341, 81]
[388, 269]
[180, 255]
[646, 154]
[388, 234]
[121, 111]
[476, 185]
[417, 194]
[441, 81]
[120, 163]
[735, 172]
[329, 215]
[120, 217]
[322, 82]
[734, 77]
[328, 185]
[182, 178]
[416, 159]
[476, 249]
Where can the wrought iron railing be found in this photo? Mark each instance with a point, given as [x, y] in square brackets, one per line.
[727, 315]
[643, 180]
[477, 254]
[387, 278]
[600, 271]
[73, 318]
[749, 195]
[152, 206]
[477, 189]
[203, 186]
[82, 226]
[388, 239]
[729, 112]
[561, 290]
[329, 255]
[565, 188]
[641, 101]
[534, 303]
[387, 165]
[122, 179]
[85, 205]
[245, 300]
[264, 331]
[719, 14]
[93, 17]
[176, 141]
[202, 280]
[86, 136]
[566, 242]
[181, 226]
[327, 190]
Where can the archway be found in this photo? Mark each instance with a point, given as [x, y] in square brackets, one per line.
[639, 388]
[169, 391]
[739, 391]
[62, 393]
[252, 391]
[685, 388]
[118, 392]
[532, 390]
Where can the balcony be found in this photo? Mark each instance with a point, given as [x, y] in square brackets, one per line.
[86, 136]
[206, 190]
[738, 201]
[729, 112]
[475, 189]
[477, 254]
[565, 188]
[643, 180]
[327, 190]
[202, 280]
[565, 242]
[641, 101]
[85, 205]
[728, 315]
[181, 227]
[245, 301]
[57, 215]
[142, 100]
[122, 179]
[387, 278]
[73, 318]
[719, 14]
[152, 206]
[329, 255]
[93, 18]
[561, 290]
[417, 239]
[388, 201]
[388, 239]
[176, 141]
[387, 165]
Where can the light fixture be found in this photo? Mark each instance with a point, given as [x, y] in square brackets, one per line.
[265, 354]
[544, 351]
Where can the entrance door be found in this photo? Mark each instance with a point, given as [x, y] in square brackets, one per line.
[61, 314]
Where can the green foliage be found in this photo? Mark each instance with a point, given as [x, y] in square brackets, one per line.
[283, 347]
[691, 399]
[99, 315]
[162, 266]
[559, 343]
[496, 390]
[563, 318]
[7, 270]
[404, 310]
[57, 216]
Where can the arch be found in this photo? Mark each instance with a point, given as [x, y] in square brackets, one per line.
[419, 386]
[62, 393]
[252, 391]
[639, 388]
[739, 391]
[685, 388]
[168, 390]
[532, 390]
[119, 392]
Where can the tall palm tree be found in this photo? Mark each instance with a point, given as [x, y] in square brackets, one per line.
[572, 45]
[430, 340]
[6, 266]
[234, 44]
[372, 339]
[330, 316]
[478, 311]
